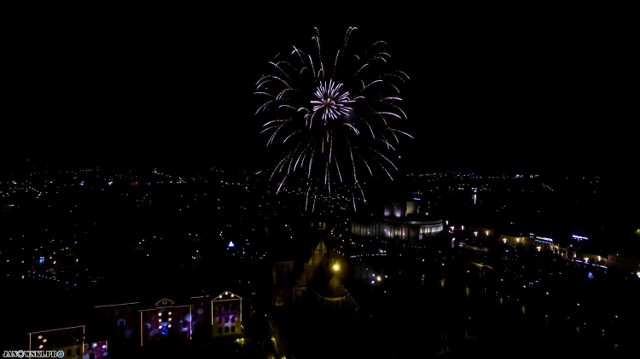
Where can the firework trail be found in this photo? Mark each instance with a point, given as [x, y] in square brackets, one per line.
[332, 121]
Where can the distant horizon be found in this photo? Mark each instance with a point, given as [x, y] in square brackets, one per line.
[182, 165]
[539, 92]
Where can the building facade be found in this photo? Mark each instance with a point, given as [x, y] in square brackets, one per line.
[226, 317]
[129, 325]
[401, 221]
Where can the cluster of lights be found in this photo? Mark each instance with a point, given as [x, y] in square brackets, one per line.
[95, 345]
[42, 340]
[162, 323]
[377, 278]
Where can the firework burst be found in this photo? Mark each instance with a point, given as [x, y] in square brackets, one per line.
[333, 125]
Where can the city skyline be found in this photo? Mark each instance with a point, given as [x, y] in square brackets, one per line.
[506, 250]
[144, 214]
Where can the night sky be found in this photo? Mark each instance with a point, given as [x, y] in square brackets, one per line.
[513, 90]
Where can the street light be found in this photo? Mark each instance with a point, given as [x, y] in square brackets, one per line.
[335, 267]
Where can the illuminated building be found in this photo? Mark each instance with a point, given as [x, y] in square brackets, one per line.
[200, 319]
[166, 320]
[401, 221]
[69, 341]
[514, 240]
[226, 317]
[98, 350]
[539, 243]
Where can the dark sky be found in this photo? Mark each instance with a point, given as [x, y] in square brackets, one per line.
[508, 89]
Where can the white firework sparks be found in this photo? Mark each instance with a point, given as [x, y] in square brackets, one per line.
[334, 125]
[330, 101]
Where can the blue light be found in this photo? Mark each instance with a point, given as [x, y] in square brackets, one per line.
[543, 239]
[590, 275]
[41, 260]
[231, 245]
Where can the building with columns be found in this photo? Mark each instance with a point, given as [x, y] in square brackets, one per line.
[404, 221]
